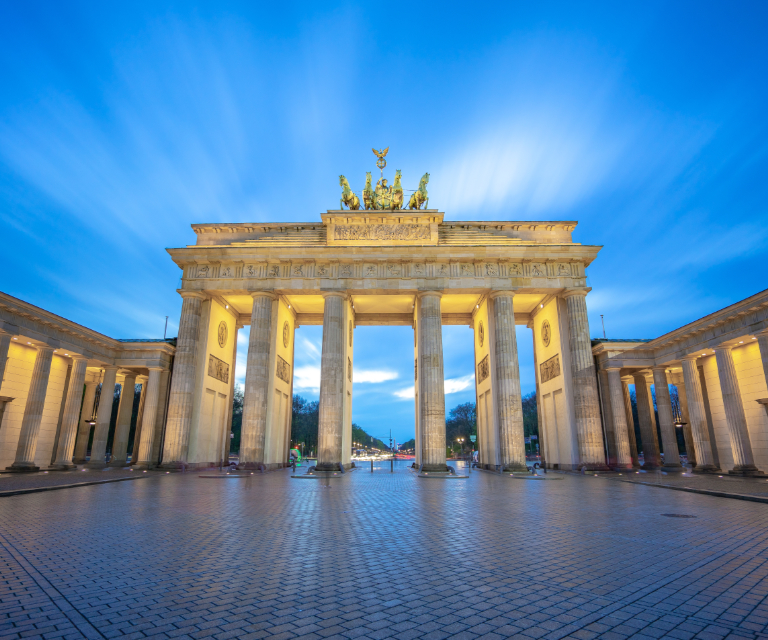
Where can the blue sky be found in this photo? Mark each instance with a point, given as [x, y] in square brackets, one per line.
[120, 125]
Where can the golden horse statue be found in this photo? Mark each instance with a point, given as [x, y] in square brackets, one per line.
[348, 197]
[369, 201]
[396, 202]
[420, 196]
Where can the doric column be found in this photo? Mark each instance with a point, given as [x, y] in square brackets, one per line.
[71, 415]
[151, 393]
[5, 343]
[697, 415]
[33, 412]
[651, 456]
[183, 381]
[666, 421]
[625, 382]
[142, 380]
[101, 431]
[162, 406]
[744, 461]
[620, 429]
[589, 433]
[331, 418]
[507, 384]
[690, 449]
[123, 426]
[256, 393]
[84, 428]
[432, 399]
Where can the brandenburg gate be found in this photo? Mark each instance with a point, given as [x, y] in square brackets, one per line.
[377, 266]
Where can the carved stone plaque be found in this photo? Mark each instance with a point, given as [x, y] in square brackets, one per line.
[382, 232]
[481, 333]
[350, 333]
[483, 369]
[223, 333]
[218, 369]
[550, 369]
[286, 334]
[349, 369]
[546, 333]
[283, 370]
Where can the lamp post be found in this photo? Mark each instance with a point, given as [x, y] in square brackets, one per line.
[461, 444]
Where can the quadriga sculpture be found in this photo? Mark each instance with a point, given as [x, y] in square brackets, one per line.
[347, 195]
[420, 196]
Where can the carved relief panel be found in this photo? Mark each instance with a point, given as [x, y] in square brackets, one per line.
[283, 370]
[218, 369]
[483, 369]
[550, 369]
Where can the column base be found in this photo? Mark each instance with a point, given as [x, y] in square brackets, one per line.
[515, 468]
[435, 468]
[251, 466]
[746, 471]
[144, 466]
[117, 463]
[79, 460]
[623, 468]
[96, 465]
[673, 468]
[22, 468]
[62, 467]
[708, 468]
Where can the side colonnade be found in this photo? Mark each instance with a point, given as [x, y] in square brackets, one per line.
[718, 367]
[55, 374]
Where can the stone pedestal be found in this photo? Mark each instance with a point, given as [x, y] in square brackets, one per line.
[620, 428]
[589, 433]
[33, 412]
[84, 430]
[183, 382]
[744, 461]
[101, 431]
[256, 394]
[331, 416]
[650, 444]
[123, 427]
[666, 421]
[71, 416]
[151, 393]
[432, 386]
[697, 415]
[507, 384]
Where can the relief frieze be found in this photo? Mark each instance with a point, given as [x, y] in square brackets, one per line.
[283, 370]
[550, 369]
[483, 369]
[382, 232]
[218, 369]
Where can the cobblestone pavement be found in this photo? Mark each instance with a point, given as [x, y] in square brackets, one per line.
[41, 479]
[708, 482]
[381, 556]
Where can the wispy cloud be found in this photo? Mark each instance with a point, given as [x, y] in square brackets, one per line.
[451, 385]
[307, 378]
[373, 375]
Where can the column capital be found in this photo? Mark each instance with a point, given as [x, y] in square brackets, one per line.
[192, 294]
[690, 358]
[764, 332]
[506, 292]
[610, 368]
[576, 292]
[726, 348]
[75, 358]
[131, 374]
[110, 367]
[334, 294]
[659, 367]
[423, 294]
[263, 294]
[156, 369]
[43, 348]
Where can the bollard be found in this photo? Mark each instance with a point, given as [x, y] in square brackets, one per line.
[392, 465]
[371, 466]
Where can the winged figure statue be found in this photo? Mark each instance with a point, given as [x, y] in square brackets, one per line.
[380, 154]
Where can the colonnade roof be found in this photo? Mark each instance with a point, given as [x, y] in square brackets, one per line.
[36, 327]
[733, 326]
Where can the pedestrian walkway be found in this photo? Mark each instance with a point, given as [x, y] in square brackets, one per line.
[381, 555]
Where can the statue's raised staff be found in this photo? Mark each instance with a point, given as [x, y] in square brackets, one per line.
[420, 196]
[348, 197]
